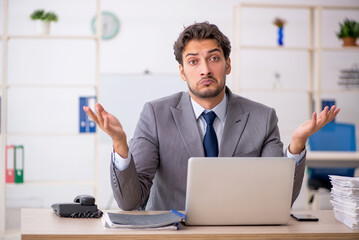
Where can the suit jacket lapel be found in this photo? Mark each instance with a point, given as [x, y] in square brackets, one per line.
[185, 120]
[235, 122]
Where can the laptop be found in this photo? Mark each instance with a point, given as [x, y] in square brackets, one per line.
[239, 191]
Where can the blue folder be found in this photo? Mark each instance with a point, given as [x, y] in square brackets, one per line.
[86, 124]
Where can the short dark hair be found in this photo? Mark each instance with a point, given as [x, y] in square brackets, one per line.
[201, 31]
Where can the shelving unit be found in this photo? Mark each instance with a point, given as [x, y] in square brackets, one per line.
[238, 46]
[318, 91]
[315, 81]
[315, 49]
[51, 37]
[5, 38]
[54, 183]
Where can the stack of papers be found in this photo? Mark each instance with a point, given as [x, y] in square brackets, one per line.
[345, 194]
[163, 221]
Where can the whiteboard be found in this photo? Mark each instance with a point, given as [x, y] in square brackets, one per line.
[124, 95]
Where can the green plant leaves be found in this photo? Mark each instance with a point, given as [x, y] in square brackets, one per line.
[349, 28]
[40, 14]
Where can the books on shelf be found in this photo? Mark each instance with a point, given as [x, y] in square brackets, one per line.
[164, 221]
[345, 200]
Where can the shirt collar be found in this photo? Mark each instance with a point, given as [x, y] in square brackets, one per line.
[220, 110]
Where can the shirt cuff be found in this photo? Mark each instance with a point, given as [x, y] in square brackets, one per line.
[119, 162]
[297, 157]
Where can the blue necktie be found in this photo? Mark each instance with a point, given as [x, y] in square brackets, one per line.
[210, 142]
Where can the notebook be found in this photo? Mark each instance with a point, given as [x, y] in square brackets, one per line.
[239, 191]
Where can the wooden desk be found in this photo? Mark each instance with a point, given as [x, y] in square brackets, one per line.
[332, 159]
[44, 224]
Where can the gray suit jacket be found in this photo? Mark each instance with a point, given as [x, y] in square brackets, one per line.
[167, 135]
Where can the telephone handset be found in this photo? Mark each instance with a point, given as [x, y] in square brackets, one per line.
[83, 207]
[85, 200]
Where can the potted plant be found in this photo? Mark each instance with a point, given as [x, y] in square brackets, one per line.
[43, 20]
[349, 32]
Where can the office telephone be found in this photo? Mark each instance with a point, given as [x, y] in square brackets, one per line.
[83, 207]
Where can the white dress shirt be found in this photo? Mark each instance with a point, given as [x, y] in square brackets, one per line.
[220, 110]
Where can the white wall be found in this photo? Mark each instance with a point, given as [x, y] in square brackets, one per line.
[148, 29]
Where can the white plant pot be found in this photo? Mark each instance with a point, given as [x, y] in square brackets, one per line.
[43, 27]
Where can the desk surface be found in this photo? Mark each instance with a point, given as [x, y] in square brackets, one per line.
[332, 159]
[44, 224]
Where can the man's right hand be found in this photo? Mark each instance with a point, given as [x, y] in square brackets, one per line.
[112, 126]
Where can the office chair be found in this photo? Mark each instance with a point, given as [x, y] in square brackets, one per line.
[332, 137]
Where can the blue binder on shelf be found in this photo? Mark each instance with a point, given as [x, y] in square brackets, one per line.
[328, 103]
[86, 125]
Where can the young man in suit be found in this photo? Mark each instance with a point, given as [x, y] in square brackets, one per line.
[152, 170]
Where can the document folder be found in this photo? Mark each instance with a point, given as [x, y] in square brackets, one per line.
[91, 101]
[9, 164]
[86, 124]
[162, 221]
[19, 164]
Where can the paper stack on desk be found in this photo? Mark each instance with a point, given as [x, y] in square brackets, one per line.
[345, 194]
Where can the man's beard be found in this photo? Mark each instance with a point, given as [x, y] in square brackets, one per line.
[208, 94]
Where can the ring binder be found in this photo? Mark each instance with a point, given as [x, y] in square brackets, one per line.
[10, 164]
[19, 163]
[86, 124]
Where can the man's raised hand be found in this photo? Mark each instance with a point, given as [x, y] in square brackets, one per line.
[110, 125]
[306, 129]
